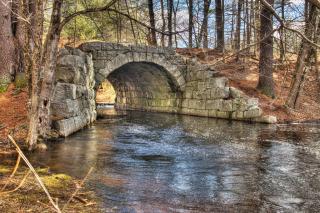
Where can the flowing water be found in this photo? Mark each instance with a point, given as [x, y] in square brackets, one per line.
[149, 162]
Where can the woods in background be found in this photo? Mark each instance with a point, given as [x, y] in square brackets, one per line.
[267, 30]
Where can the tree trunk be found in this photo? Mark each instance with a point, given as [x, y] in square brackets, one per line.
[170, 9]
[163, 23]
[204, 27]
[190, 27]
[32, 66]
[6, 43]
[282, 34]
[303, 58]
[220, 25]
[238, 28]
[266, 84]
[153, 39]
[175, 10]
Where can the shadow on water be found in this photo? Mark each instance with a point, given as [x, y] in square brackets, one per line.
[148, 162]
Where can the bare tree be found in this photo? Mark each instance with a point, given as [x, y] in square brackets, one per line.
[170, 11]
[238, 28]
[303, 60]
[266, 84]
[204, 27]
[220, 25]
[190, 28]
[6, 42]
[153, 38]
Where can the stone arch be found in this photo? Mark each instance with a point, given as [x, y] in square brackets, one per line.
[176, 72]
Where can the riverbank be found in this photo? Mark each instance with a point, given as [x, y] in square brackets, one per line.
[22, 193]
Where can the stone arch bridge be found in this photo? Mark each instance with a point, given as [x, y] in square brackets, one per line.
[144, 78]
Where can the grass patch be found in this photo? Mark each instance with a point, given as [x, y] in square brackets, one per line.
[57, 180]
[20, 81]
[3, 88]
[5, 169]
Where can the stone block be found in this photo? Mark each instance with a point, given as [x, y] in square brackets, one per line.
[71, 61]
[214, 104]
[237, 115]
[198, 112]
[220, 82]
[197, 104]
[67, 74]
[64, 91]
[239, 104]
[252, 102]
[220, 93]
[235, 93]
[212, 113]
[201, 86]
[269, 119]
[252, 113]
[227, 105]
[222, 114]
[65, 109]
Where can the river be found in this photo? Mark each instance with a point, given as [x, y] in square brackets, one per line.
[153, 162]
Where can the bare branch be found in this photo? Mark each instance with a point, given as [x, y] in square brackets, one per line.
[315, 3]
[86, 11]
[284, 25]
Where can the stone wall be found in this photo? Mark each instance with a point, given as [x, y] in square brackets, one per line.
[208, 94]
[144, 78]
[73, 102]
[171, 83]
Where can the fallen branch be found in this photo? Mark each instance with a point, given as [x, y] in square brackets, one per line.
[13, 172]
[78, 188]
[84, 201]
[20, 184]
[56, 207]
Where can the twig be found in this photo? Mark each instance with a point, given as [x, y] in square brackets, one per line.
[20, 185]
[84, 201]
[35, 174]
[284, 25]
[78, 188]
[13, 172]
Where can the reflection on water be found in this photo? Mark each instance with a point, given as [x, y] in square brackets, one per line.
[149, 162]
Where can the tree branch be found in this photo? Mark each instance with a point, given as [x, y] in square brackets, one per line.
[283, 24]
[315, 3]
[86, 11]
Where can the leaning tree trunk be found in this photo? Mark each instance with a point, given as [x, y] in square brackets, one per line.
[266, 84]
[303, 58]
